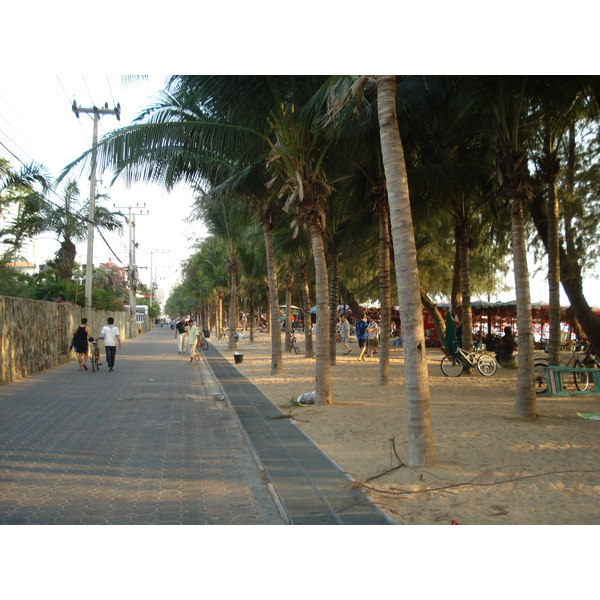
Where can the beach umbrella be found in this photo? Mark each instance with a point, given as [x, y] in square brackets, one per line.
[450, 340]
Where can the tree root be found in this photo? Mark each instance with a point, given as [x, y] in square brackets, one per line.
[390, 470]
[472, 483]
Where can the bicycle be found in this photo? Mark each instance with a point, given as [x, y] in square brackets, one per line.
[454, 364]
[294, 344]
[95, 357]
[202, 343]
[581, 380]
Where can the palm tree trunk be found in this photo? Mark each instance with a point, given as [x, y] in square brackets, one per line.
[308, 339]
[65, 259]
[525, 400]
[333, 304]
[551, 168]
[289, 280]
[436, 317]
[233, 304]
[420, 434]
[276, 349]
[252, 310]
[384, 293]
[456, 296]
[322, 367]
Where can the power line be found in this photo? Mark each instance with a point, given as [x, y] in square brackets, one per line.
[15, 143]
[88, 90]
[65, 211]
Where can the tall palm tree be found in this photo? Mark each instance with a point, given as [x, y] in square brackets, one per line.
[421, 450]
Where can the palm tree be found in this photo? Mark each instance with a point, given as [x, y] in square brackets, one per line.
[227, 220]
[420, 444]
[26, 189]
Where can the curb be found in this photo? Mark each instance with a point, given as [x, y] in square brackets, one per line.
[218, 393]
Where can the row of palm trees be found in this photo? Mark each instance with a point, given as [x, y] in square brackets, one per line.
[446, 170]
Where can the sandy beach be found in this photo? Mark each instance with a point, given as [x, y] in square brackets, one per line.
[491, 469]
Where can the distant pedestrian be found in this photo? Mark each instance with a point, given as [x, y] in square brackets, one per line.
[372, 336]
[345, 333]
[193, 333]
[80, 343]
[110, 335]
[361, 336]
[181, 335]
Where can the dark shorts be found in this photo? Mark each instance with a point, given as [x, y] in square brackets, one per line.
[362, 343]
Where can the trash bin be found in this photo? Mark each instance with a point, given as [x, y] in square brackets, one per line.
[238, 357]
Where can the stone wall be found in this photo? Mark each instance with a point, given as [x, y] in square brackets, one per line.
[36, 335]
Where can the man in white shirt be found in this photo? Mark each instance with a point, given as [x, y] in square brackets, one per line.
[110, 335]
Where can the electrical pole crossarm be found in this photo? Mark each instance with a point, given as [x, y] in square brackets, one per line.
[99, 111]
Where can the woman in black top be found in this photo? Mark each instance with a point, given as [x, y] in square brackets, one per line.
[80, 343]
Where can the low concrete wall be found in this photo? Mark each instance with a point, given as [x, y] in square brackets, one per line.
[36, 335]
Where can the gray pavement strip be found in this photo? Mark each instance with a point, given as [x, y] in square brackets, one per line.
[312, 488]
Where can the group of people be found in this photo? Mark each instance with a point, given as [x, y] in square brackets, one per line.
[187, 333]
[367, 335]
[83, 335]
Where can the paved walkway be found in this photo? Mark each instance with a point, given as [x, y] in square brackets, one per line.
[156, 442]
[145, 444]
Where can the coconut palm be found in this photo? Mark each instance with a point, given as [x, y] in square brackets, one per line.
[420, 444]
[27, 189]
[69, 223]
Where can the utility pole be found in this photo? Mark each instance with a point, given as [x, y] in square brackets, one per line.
[90, 238]
[132, 267]
[151, 280]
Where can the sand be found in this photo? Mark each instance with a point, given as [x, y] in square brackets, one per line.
[497, 470]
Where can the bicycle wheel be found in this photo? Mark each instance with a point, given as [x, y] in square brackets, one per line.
[451, 366]
[486, 365]
[540, 379]
[295, 346]
[94, 363]
[582, 380]
[204, 345]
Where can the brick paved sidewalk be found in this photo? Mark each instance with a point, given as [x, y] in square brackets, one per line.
[144, 444]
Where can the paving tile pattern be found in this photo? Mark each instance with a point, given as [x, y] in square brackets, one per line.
[144, 444]
[311, 487]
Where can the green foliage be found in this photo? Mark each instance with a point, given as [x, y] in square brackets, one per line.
[14, 283]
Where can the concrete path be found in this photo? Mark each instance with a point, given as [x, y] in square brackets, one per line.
[159, 441]
[143, 444]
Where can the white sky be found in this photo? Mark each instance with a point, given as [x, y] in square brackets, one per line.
[37, 123]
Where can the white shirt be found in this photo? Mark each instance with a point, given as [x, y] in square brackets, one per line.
[110, 333]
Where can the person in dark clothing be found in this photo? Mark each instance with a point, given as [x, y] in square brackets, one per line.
[80, 343]
[508, 346]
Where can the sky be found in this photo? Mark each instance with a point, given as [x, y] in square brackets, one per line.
[37, 123]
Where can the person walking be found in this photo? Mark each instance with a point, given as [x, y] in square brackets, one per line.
[361, 336]
[372, 336]
[345, 334]
[192, 331]
[110, 335]
[181, 335]
[80, 343]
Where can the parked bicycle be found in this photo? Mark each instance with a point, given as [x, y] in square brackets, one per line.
[454, 364]
[95, 355]
[294, 344]
[202, 343]
[577, 359]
